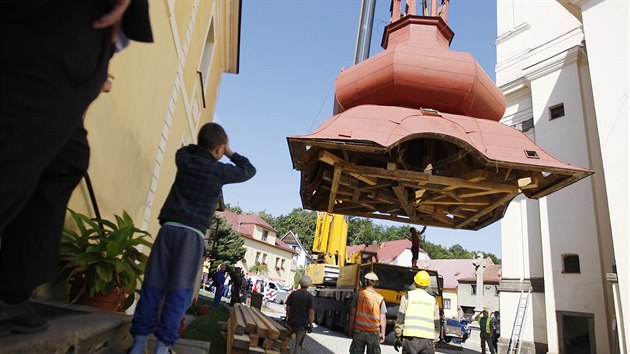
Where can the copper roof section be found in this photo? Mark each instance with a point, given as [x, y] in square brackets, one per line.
[415, 137]
[422, 167]
[417, 69]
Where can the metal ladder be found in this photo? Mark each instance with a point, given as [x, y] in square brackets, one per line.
[515, 338]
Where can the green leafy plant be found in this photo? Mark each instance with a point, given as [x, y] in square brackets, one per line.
[259, 269]
[100, 256]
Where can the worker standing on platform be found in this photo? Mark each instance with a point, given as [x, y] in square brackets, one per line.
[415, 244]
[418, 322]
[367, 318]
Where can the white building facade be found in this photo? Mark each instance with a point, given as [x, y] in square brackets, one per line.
[301, 258]
[563, 66]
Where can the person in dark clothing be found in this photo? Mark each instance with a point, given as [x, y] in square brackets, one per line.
[237, 283]
[177, 252]
[300, 313]
[415, 245]
[54, 58]
[219, 279]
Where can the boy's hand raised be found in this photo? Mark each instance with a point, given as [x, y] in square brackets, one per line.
[228, 150]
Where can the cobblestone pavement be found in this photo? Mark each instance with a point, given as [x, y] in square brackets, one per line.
[325, 341]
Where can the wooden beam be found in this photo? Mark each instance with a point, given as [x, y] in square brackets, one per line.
[413, 176]
[332, 159]
[401, 193]
[486, 210]
[274, 333]
[449, 159]
[333, 189]
[477, 194]
[440, 215]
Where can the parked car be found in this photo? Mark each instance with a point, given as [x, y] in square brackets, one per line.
[282, 295]
[466, 323]
[455, 330]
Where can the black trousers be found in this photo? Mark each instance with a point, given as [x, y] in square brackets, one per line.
[52, 65]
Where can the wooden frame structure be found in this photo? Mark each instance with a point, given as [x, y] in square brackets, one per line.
[427, 179]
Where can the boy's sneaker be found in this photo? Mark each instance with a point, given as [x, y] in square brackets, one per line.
[20, 318]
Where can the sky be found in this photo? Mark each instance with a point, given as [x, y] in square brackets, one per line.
[290, 54]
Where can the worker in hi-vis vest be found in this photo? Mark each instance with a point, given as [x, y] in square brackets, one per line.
[485, 331]
[418, 323]
[367, 319]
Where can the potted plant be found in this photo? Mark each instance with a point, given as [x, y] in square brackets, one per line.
[99, 259]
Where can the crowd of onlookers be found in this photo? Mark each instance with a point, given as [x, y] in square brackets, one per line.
[237, 284]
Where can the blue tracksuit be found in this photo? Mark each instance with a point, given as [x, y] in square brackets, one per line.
[177, 253]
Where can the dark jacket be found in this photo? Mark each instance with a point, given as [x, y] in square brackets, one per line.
[198, 182]
[136, 23]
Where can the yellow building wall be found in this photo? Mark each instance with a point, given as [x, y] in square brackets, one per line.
[453, 312]
[153, 109]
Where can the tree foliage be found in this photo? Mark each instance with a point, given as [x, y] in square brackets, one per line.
[235, 210]
[225, 246]
[302, 222]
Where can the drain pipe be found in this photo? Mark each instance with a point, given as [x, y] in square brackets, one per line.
[364, 36]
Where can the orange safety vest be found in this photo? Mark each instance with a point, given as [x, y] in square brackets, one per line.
[368, 312]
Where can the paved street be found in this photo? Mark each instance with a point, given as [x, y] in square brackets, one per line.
[324, 341]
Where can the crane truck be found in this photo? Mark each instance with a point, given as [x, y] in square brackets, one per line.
[337, 278]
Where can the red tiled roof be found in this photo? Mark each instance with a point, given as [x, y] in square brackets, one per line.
[247, 225]
[452, 270]
[386, 252]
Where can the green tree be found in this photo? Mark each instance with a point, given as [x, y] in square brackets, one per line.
[495, 259]
[225, 246]
[267, 217]
[235, 210]
[436, 251]
[458, 252]
[302, 222]
[362, 231]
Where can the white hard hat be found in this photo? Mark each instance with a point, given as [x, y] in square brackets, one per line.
[371, 276]
[305, 280]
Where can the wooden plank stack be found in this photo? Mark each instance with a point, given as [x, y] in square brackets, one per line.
[250, 331]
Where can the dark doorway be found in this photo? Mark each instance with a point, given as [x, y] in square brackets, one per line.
[576, 332]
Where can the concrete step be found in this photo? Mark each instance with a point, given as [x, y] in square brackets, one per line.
[75, 329]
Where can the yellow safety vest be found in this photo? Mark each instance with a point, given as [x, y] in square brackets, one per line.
[420, 315]
[488, 321]
[368, 312]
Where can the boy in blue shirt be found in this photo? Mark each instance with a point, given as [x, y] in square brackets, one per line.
[179, 247]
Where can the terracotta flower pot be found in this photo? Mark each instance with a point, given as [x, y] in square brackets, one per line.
[107, 302]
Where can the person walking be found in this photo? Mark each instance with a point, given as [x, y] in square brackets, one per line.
[300, 313]
[367, 318]
[418, 322]
[54, 61]
[219, 280]
[177, 252]
[485, 331]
